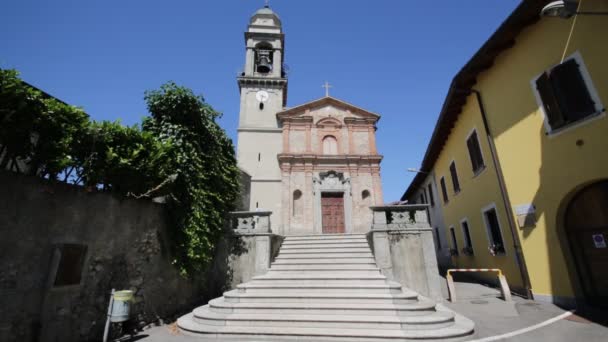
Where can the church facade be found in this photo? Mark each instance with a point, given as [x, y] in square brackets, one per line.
[315, 166]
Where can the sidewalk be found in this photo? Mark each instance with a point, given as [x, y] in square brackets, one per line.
[493, 316]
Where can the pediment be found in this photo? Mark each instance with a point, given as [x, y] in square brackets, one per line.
[328, 111]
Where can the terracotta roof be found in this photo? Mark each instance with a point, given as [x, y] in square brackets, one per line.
[526, 13]
[327, 100]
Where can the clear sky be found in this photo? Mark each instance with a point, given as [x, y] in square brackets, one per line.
[392, 57]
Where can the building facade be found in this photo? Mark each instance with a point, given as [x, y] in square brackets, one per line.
[428, 193]
[315, 166]
[518, 156]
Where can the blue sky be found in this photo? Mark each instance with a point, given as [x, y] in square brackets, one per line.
[392, 57]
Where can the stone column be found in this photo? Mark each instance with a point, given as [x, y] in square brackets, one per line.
[308, 138]
[250, 55]
[308, 221]
[351, 145]
[276, 63]
[371, 132]
[286, 131]
[377, 183]
[286, 199]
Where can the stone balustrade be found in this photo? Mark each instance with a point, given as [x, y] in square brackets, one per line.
[400, 216]
[250, 222]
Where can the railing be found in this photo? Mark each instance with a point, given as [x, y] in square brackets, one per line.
[400, 216]
[250, 222]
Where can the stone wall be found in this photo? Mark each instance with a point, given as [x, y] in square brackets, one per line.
[123, 244]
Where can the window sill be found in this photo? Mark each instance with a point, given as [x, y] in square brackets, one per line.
[574, 125]
[479, 171]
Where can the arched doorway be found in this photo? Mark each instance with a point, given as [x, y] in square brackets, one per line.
[587, 232]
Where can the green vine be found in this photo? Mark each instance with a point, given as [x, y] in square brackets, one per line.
[180, 154]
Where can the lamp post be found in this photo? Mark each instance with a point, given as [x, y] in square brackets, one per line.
[565, 9]
[411, 169]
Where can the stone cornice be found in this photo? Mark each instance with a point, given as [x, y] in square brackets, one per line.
[315, 158]
[260, 129]
[324, 101]
[298, 120]
[360, 121]
[262, 81]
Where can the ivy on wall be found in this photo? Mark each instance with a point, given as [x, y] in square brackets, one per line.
[179, 154]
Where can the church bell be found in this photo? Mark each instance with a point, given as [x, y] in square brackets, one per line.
[264, 64]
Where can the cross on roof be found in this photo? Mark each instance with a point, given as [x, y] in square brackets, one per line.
[266, 3]
[326, 86]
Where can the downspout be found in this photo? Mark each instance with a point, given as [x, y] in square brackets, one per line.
[519, 256]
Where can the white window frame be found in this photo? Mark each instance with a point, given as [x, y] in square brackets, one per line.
[599, 107]
[484, 210]
[483, 159]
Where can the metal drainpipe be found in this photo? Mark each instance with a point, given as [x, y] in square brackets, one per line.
[519, 256]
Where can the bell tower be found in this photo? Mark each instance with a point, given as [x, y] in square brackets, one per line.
[263, 89]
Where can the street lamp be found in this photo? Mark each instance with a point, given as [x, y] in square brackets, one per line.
[411, 169]
[565, 9]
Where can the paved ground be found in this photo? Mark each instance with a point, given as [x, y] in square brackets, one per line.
[492, 316]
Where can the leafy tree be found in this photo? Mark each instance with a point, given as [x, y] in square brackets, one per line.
[35, 128]
[201, 159]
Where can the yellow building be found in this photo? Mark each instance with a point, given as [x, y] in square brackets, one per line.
[519, 156]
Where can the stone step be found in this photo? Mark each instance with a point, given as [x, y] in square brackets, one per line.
[318, 281]
[324, 267]
[324, 261]
[325, 255]
[277, 271]
[337, 237]
[437, 320]
[402, 298]
[325, 244]
[461, 329]
[324, 250]
[336, 288]
[321, 307]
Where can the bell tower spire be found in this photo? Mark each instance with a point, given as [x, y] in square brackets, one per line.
[263, 89]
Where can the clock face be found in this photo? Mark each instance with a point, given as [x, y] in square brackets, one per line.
[262, 96]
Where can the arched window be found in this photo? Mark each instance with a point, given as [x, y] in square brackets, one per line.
[330, 145]
[263, 58]
[297, 203]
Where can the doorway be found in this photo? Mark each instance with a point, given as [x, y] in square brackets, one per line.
[587, 232]
[332, 209]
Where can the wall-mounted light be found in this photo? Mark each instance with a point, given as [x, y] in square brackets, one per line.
[565, 9]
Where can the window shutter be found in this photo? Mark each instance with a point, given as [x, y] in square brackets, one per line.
[472, 153]
[550, 104]
[475, 152]
[571, 91]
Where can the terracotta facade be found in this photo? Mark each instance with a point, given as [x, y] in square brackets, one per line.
[328, 146]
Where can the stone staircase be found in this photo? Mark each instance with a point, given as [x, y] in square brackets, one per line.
[325, 288]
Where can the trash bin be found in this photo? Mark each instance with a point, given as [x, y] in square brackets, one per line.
[121, 306]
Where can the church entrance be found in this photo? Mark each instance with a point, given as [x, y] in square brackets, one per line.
[587, 230]
[332, 208]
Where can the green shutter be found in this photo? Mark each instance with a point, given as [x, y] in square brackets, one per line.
[571, 91]
[549, 100]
